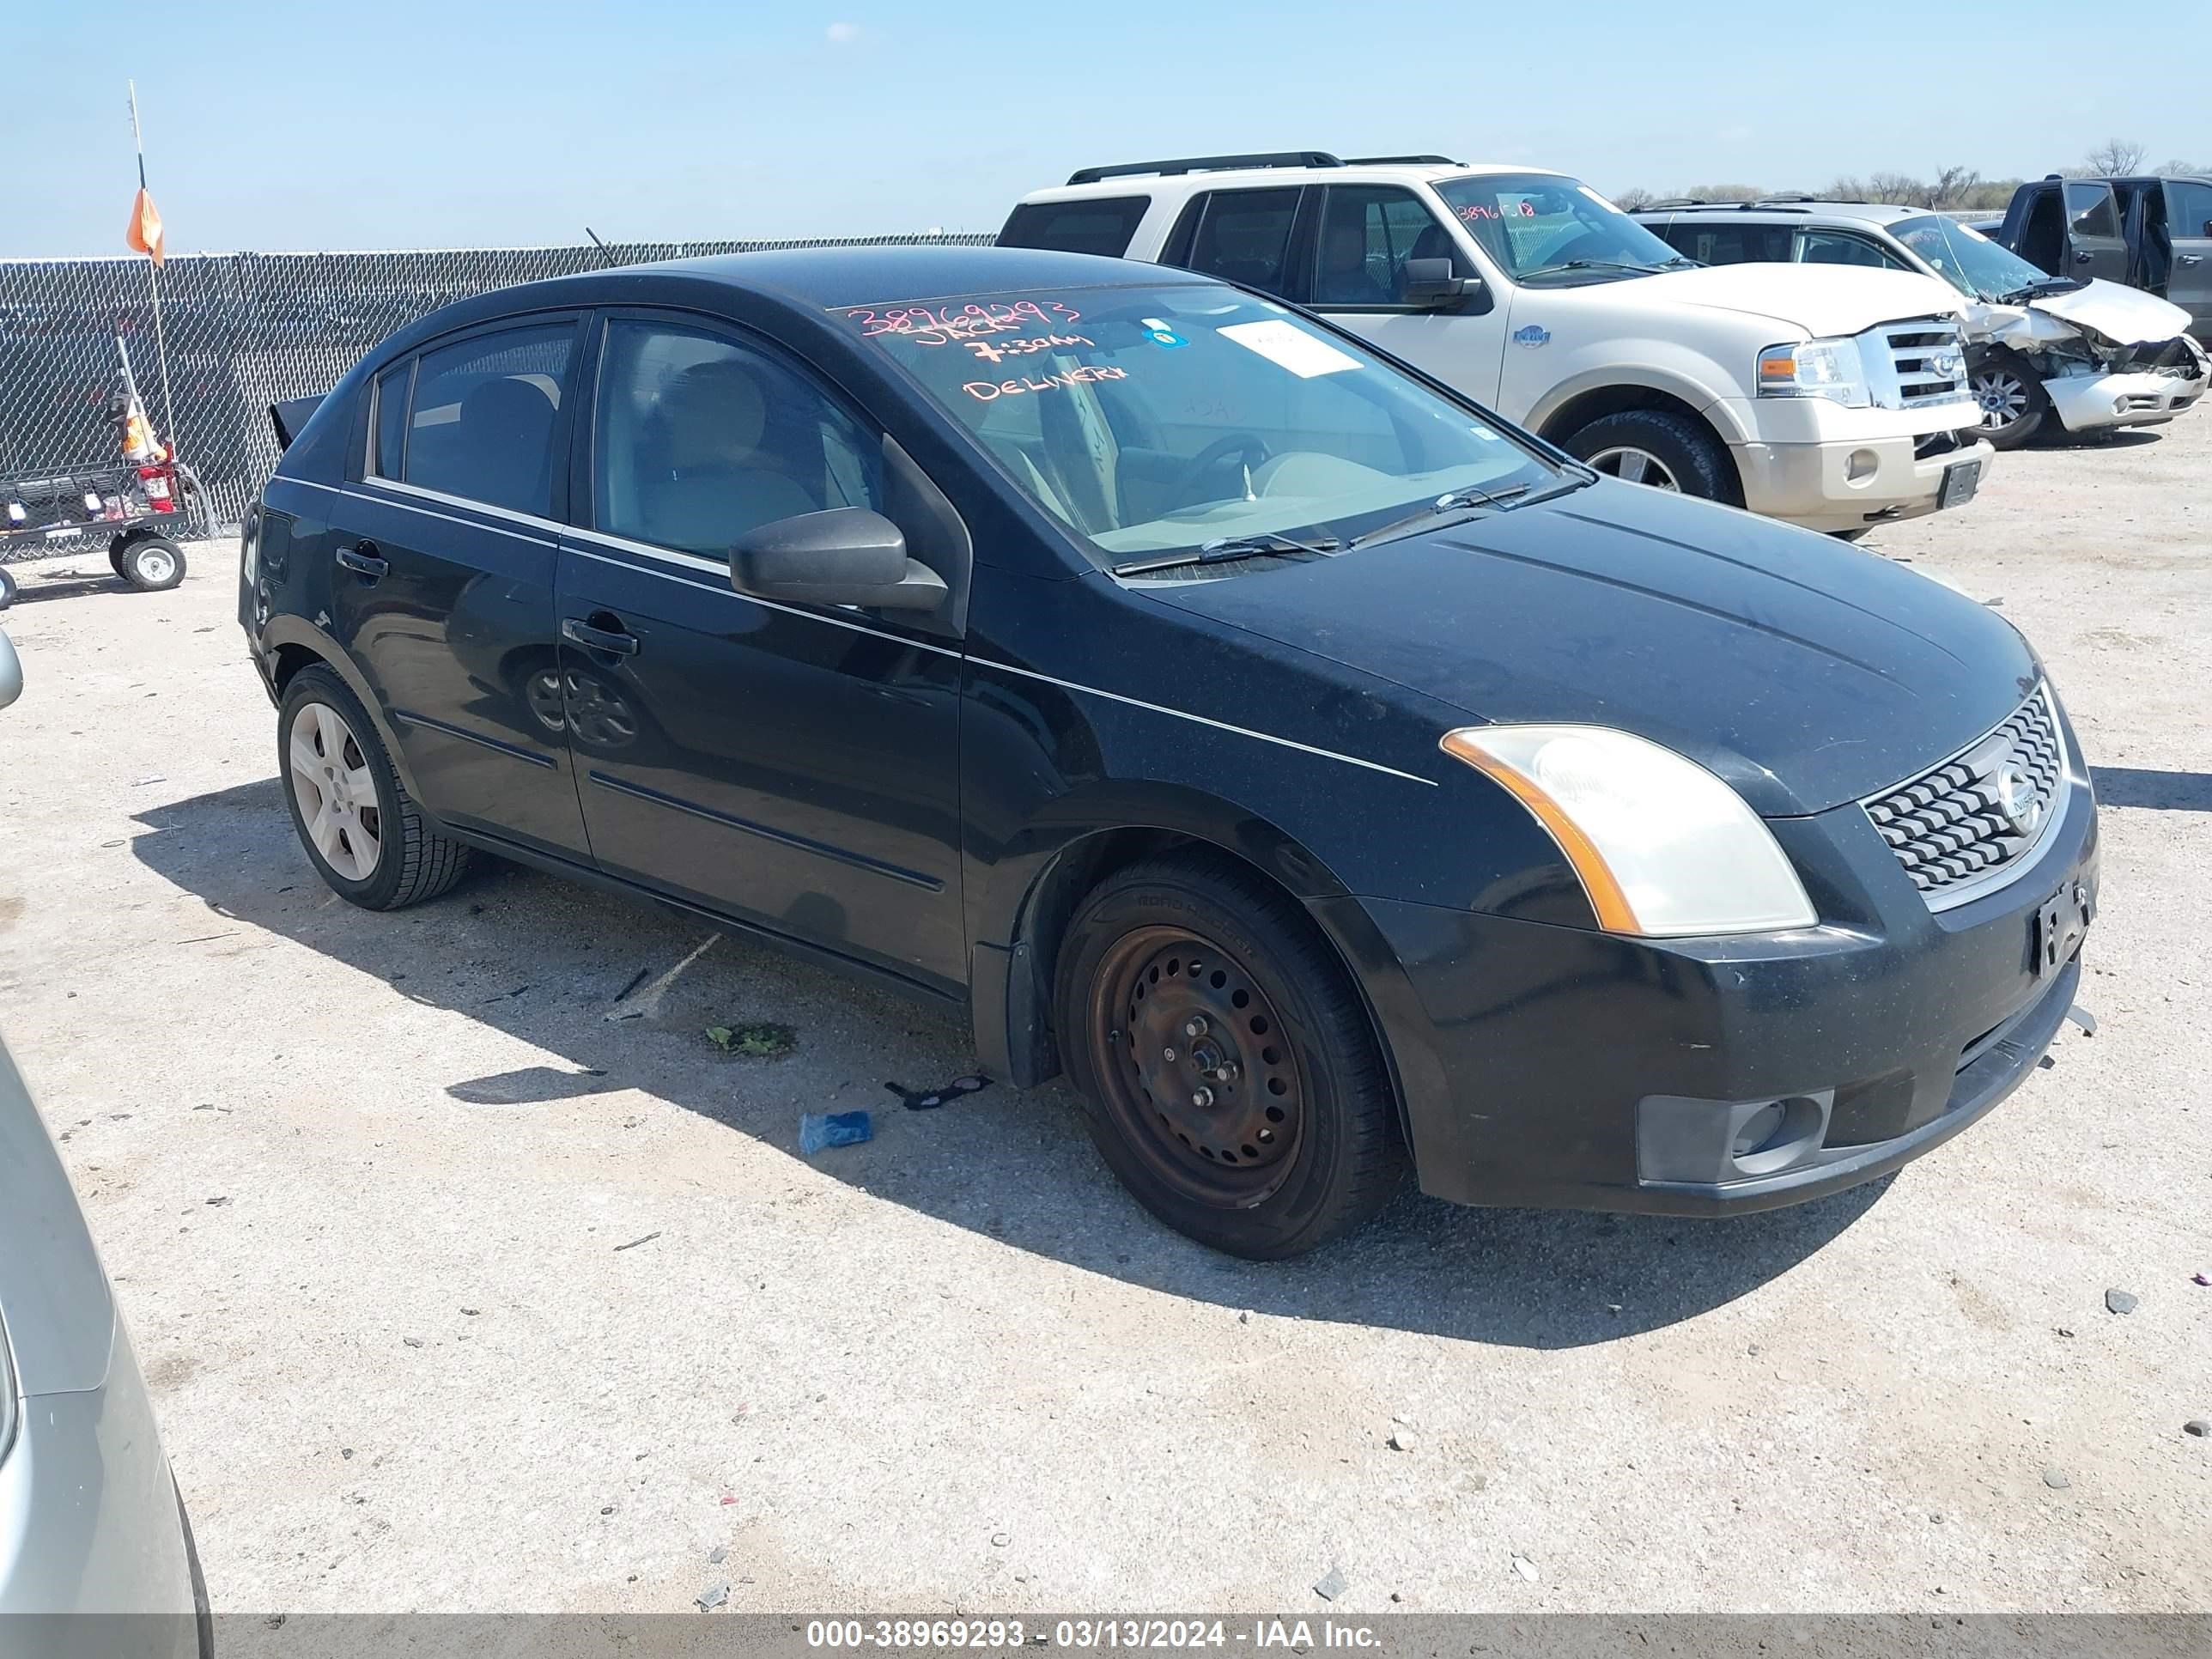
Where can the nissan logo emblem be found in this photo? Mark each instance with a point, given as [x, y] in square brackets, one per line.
[2016, 798]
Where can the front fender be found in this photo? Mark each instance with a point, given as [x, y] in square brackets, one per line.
[1682, 375]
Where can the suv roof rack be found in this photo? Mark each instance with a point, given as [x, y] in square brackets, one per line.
[1283, 158]
[1403, 160]
[1759, 203]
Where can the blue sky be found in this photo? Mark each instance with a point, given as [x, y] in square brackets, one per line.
[413, 125]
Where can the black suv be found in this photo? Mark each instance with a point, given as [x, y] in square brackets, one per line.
[1319, 771]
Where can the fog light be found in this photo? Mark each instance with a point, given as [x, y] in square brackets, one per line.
[1860, 465]
[2119, 405]
[1683, 1141]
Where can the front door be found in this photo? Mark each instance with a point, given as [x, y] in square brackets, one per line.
[441, 579]
[1367, 234]
[795, 767]
[2189, 223]
[2095, 245]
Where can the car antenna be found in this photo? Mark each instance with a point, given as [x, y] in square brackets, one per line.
[605, 252]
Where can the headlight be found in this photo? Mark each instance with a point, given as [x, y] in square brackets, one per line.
[1815, 368]
[1664, 848]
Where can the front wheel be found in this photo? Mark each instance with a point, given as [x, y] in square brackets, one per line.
[7, 588]
[2012, 397]
[1659, 448]
[1231, 1076]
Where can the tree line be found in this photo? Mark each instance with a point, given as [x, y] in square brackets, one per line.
[1960, 189]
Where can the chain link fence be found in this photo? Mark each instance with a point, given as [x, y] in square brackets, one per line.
[242, 330]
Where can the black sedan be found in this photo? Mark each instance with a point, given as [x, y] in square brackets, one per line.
[1320, 772]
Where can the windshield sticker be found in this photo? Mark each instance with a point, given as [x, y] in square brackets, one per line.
[1288, 346]
[947, 325]
[1081, 374]
[1161, 334]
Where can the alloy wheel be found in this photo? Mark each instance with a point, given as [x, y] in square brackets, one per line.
[335, 791]
[2003, 396]
[1633, 465]
[1195, 1066]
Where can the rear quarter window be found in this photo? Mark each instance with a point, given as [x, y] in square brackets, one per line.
[1101, 225]
[1729, 245]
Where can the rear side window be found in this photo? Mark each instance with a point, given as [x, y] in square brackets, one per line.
[390, 421]
[1841, 247]
[2091, 211]
[1729, 245]
[2189, 212]
[1244, 236]
[481, 422]
[1099, 225]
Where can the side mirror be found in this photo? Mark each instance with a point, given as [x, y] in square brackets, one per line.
[1429, 285]
[846, 555]
[2207, 228]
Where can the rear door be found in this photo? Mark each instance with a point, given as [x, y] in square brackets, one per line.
[1364, 236]
[441, 585]
[2189, 221]
[795, 766]
[2095, 245]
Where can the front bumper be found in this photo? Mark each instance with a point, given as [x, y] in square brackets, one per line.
[1534, 1058]
[1848, 484]
[2094, 402]
[90, 1525]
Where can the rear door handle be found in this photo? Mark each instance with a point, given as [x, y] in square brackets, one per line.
[2189, 259]
[363, 558]
[616, 640]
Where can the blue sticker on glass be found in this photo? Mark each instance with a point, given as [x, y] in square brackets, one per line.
[1162, 334]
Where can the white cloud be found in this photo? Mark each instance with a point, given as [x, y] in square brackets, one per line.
[843, 34]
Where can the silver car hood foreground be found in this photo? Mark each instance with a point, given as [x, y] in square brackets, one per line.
[55, 1305]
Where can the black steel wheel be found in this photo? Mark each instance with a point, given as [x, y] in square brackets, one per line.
[1232, 1079]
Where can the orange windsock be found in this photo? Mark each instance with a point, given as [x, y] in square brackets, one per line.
[145, 231]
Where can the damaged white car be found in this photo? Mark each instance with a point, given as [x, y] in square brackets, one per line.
[2093, 354]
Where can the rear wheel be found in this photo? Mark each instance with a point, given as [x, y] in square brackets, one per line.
[1660, 448]
[152, 564]
[367, 839]
[2012, 399]
[7, 588]
[1231, 1078]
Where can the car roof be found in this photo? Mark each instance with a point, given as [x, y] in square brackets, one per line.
[1793, 210]
[1248, 178]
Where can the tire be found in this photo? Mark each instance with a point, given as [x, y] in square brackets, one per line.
[2013, 400]
[1647, 445]
[152, 564]
[8, 589]
[115, 553]
[396, 858]
[1307, 1123]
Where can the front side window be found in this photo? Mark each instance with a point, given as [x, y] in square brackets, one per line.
[2189, 207]
[1730, 244]
[1244, 236]
[1155, 419]
[1842, 247]
[699, 439]
[1549, 230]
[1368, 233]
[1969, 261]
[481, 422]
[1101, 225]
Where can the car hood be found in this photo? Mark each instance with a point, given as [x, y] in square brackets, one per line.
[2126, 316]
[1805, 673]
[1820, 300]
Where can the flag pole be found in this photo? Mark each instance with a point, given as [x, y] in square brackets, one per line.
[153, 277]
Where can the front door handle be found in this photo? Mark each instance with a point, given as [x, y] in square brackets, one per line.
[364, 557]
[616, 640]
[2080, 256]
[2189, 259]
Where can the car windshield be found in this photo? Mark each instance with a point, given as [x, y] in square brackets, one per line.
[1966, 258]
[1155, 419]
[1548, 230]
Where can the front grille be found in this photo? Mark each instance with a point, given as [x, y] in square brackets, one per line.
[1981, 812]
[1915, 362]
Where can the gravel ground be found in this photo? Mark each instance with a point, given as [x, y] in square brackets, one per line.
[456, 1293]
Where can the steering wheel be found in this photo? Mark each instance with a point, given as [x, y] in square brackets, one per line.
[1248, 444]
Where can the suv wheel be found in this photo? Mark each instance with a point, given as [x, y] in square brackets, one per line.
[2012, 399]
[367, 839]
[7, 588]
[1231, 1077]
[1660, 448]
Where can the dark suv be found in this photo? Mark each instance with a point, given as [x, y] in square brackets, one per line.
[1316, 768]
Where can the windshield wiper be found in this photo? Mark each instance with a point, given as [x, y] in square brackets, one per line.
[1227, 549]
[1595, 264]
[1457, 501]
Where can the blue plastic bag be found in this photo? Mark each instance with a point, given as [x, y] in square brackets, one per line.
[819, 1131]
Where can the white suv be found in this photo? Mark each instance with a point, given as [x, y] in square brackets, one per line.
[1831, 397]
